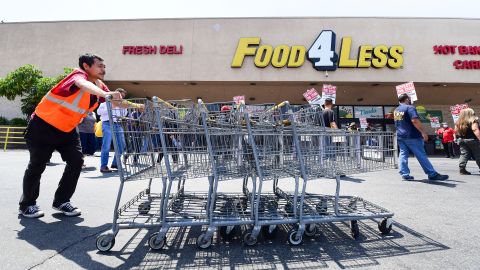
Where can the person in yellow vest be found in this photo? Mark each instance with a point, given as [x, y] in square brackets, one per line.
[52, 127]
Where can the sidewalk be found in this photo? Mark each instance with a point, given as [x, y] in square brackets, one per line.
[436, 226]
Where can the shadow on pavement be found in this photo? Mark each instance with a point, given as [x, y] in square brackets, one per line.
[331, 245]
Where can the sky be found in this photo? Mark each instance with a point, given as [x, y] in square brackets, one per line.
[65, 10]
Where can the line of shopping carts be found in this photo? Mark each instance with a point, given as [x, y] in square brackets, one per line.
[177, 142]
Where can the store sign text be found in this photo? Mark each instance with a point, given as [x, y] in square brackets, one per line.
[462, 50]
[322, 54]
[152, 49]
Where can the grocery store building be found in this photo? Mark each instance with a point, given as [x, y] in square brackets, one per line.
[267, 59]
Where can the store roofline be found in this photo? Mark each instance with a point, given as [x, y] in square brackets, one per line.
[247, 18]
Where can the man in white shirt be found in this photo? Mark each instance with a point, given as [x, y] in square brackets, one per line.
[117, 113]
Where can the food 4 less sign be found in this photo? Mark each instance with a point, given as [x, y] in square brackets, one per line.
[322, 54]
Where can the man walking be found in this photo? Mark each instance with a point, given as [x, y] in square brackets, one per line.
[52, 127]
[411, 137]
[447, 134]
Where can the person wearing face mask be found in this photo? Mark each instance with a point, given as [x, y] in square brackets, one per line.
[411, 137]
[447, 134]
[53, 127]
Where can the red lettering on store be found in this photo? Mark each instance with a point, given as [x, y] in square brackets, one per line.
[149, 49]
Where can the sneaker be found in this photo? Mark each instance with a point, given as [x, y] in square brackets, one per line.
[438, 177]
[114, 166]
[68, 209]
[463, 171]
[105, 170]
[32, 211]
[407, 177]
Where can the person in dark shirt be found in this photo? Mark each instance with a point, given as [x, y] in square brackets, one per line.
[329, 115]
[411, 137]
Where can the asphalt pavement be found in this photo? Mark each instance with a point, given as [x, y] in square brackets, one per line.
[435, 226]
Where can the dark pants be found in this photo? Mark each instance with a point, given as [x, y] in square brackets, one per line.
[448, 148]
[469, 148]
[42, 139]
[88, 141]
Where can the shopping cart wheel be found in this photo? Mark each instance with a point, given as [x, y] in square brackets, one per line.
[311, 230]
[294, 238]
[385, 226]
[270, 231]
[249, 239]
[105, 242]
[228, 232]
[155, 243]
[144, 208]
[354, 229]
[203, 242]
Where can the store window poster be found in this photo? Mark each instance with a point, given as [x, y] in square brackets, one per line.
[368, 112]
[345, 111]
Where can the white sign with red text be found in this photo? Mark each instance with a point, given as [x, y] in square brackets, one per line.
[407, 88]
[329, 91]
[363, 123]
[455, 110]
[312, 96]
[434, 122]
[239, 99]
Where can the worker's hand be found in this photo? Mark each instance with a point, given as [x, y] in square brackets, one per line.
[425, 136]
[115, 95]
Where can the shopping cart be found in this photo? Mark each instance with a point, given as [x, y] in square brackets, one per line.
[135, 150]
[331, 153]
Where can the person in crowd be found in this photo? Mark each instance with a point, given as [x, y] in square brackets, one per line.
[447, 135]
[411, 137]
[53, 127]
[468, 138]
[98, 135]
[86, 130]
[329, 114]
[117, 113]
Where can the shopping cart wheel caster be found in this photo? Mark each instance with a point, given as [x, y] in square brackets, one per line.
[249, 239]
[228, 232]
[144, 208]
[385, 226]
[294, 238]
[354, 229]
[203, 242]
[270, 231]
[156, 243]
[105, 242]
[311, 230]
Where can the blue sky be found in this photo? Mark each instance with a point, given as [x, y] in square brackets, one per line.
[55, 10]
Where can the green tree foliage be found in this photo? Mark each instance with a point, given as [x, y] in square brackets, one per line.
[28, 83]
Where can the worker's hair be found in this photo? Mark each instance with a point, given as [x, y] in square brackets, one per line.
[88, 59]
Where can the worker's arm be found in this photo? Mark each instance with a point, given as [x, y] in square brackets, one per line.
[476, 129]
[416, 122]
[95, 90]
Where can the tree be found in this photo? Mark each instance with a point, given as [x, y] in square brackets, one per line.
[28, 83]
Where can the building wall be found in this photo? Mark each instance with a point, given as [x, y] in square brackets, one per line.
[10, 109]
[209, 46]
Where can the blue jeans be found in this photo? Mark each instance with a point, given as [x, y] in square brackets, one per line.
[415, 146]
[107, 142]
[88, 143]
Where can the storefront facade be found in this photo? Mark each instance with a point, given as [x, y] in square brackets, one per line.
[268, 59]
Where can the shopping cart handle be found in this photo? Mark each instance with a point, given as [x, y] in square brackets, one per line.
[108, 97]
[278, 106]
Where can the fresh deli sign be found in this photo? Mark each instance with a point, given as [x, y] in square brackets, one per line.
[322, 53]
[152, 49]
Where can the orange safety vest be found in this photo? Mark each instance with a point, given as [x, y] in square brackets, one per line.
[65, 113]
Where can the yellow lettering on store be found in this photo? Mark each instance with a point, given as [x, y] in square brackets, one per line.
[280, 56]
[364, 56]
[263, 56]
[380, 56]
[345, 49]
[244, 49]
[396, 57]
[297, 56]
